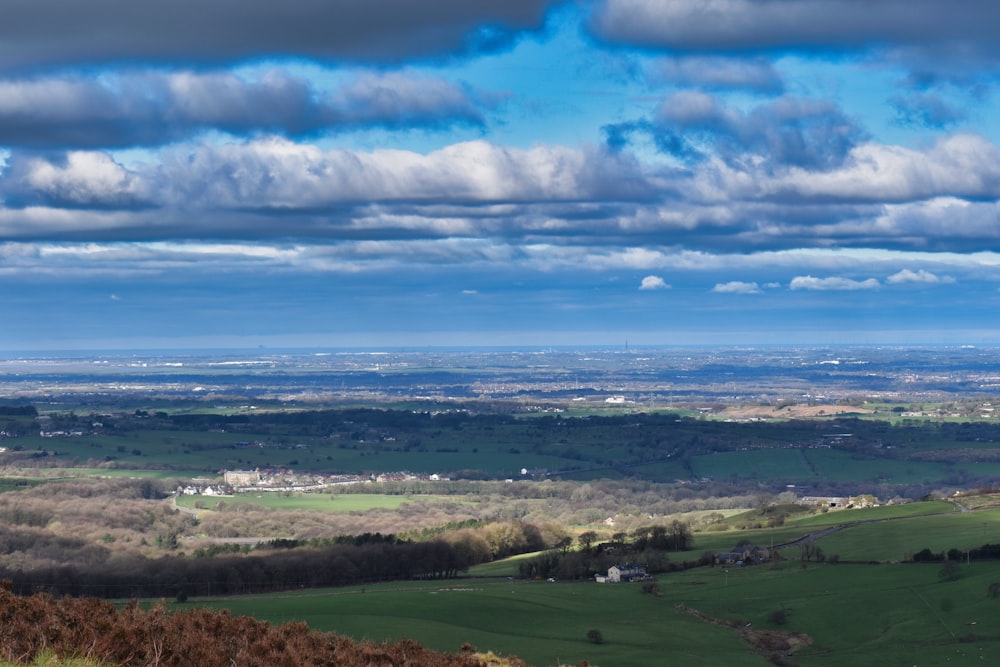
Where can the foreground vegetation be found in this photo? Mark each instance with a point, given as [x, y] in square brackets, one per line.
[90, 632]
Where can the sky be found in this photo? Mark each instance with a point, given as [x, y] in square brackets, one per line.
[334, 173]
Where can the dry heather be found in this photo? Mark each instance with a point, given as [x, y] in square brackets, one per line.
[95, 630]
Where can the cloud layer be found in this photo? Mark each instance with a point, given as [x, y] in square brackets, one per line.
[491, 166]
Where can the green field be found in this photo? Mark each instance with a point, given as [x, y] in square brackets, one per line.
[323, 502]
[899, 540]
[854, 613]
[543, 623]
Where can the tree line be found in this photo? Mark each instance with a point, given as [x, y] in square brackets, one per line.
[283, 564]
[261, 572]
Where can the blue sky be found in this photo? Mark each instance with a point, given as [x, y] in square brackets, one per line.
[444, 172]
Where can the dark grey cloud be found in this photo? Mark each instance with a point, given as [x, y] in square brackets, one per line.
[61, 33]
[155, 108]
[935, 40]
[738, 25]
[786, 132]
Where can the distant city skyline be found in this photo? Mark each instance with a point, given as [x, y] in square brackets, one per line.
[520, 173]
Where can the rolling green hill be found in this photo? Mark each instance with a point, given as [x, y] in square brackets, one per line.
[869, 611]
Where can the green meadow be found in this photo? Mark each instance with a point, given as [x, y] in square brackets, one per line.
[864, 610]
[543, 623]
[853, 614]
[323, 502]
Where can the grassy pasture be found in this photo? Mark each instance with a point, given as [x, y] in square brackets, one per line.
[543, 623]
[753, 464]
[898, 540]
[837, 517]
[321, 502]
[860, 614]
[799, 526]
[855, 614]
[836, 465]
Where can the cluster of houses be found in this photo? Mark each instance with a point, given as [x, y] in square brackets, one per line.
[840, 502]
[743, 554]
[238, 481]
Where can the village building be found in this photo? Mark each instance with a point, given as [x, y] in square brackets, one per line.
[840, 502]
[242, 477]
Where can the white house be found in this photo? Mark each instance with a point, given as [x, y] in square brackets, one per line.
[627, 572]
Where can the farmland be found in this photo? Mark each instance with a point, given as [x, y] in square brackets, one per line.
[388, 478]
[846, 454]
[852, 612]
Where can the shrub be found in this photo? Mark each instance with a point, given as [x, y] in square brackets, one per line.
[950, 571]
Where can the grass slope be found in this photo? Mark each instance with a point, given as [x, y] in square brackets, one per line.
[540, 622]
[853, 613]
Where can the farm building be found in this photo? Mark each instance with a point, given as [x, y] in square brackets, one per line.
[624, 573]
[743, 554]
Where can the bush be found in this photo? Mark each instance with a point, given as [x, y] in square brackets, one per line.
[950, 571]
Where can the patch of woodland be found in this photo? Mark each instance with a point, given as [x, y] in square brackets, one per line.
[91, 519]
[261, 571]
[97, 630]
[283, 564]
[649, 546]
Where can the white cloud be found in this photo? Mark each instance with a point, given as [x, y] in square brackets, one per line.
[737, 287]
[82, 178]
[959, 165]
[832, 284]
[274, 172]
[918, 276]
[653, 283]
